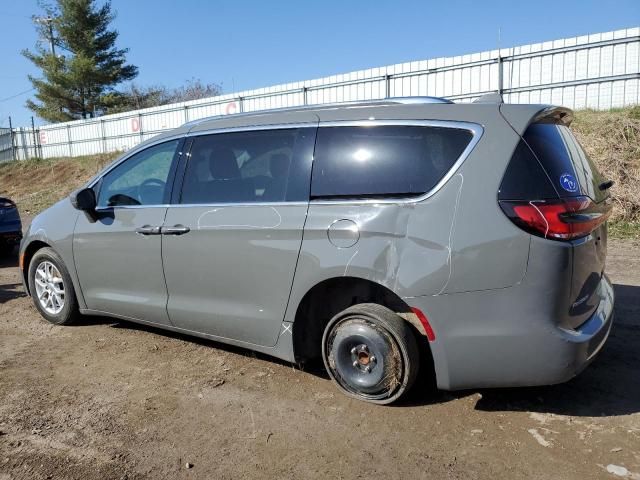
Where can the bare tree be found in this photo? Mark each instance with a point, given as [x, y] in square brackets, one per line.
[135, 97]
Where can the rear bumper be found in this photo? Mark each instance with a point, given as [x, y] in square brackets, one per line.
[501, 338]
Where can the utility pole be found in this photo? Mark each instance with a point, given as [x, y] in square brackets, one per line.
[48, 21]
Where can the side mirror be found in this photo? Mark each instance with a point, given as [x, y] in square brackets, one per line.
[84, 200]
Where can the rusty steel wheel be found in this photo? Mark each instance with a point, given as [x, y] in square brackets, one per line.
[370, 353]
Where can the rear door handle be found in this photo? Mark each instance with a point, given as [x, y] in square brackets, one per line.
[148, 230]
[175, 230]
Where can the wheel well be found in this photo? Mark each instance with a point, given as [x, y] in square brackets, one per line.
[28, 254]
[328, 298]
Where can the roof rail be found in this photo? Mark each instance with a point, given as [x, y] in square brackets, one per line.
[317, 106]
[417, 100]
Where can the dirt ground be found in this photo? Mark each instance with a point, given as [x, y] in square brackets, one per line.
[110, 399]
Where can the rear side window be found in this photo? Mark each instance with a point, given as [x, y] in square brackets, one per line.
[384, 161]
[525, 179]
[249, 167]
[571, 171]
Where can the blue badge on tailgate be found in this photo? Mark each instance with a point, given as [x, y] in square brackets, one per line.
[569, 182]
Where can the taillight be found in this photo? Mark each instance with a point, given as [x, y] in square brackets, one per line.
[564, 219]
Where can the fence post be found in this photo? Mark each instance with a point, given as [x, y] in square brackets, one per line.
[186, 113]
[39, 140]
[13, 148]
[69, 140]
[104, 137]
[25, 142]
[305, 101]
[500, 73]
[140, 125]
[240, 104]
[33, 131]
[387, 86]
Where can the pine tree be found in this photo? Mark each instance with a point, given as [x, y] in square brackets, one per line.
[79, 82]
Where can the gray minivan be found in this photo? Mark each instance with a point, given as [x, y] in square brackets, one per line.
[367, 235]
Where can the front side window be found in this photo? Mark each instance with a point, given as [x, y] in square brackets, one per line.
[141, 179]
[249, 167]
[383, 161]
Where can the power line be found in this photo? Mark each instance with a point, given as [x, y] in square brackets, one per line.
[16, 95]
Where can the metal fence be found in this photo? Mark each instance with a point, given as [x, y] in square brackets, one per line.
[6, 144]
[599, 71]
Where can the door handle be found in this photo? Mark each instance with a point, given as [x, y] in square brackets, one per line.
[175, 230]
[148, 230]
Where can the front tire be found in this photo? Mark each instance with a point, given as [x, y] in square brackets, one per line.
[371, 353]
[51, 288]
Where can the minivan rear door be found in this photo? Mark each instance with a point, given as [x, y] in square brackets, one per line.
[233, 233]
[573, 174]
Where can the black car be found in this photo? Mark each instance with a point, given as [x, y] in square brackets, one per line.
[10, 225]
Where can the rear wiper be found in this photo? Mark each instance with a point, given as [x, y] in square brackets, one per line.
[606, 185]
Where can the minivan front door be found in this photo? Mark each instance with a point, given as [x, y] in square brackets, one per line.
[117, 252]
[231, 244]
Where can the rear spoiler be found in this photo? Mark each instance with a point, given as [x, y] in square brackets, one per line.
[550, 114]
[520, 116]
[558, 115]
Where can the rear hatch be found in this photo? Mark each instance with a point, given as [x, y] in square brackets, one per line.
[570, 205]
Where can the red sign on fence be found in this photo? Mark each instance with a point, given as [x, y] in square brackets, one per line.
[135, 124]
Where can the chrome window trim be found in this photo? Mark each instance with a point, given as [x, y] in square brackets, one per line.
[204, 205]
[476, 130]
[297, 203]
[129, 207]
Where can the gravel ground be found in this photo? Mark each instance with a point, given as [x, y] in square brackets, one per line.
[110, 399]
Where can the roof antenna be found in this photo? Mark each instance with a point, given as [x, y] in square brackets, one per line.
[495, 97]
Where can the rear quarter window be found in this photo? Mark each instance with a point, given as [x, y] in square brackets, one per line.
[525, 179]
[383, 161]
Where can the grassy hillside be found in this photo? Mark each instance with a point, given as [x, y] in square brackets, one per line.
[36, 184]
[611, 138]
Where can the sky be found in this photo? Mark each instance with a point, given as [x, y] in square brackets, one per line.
[246, 44]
